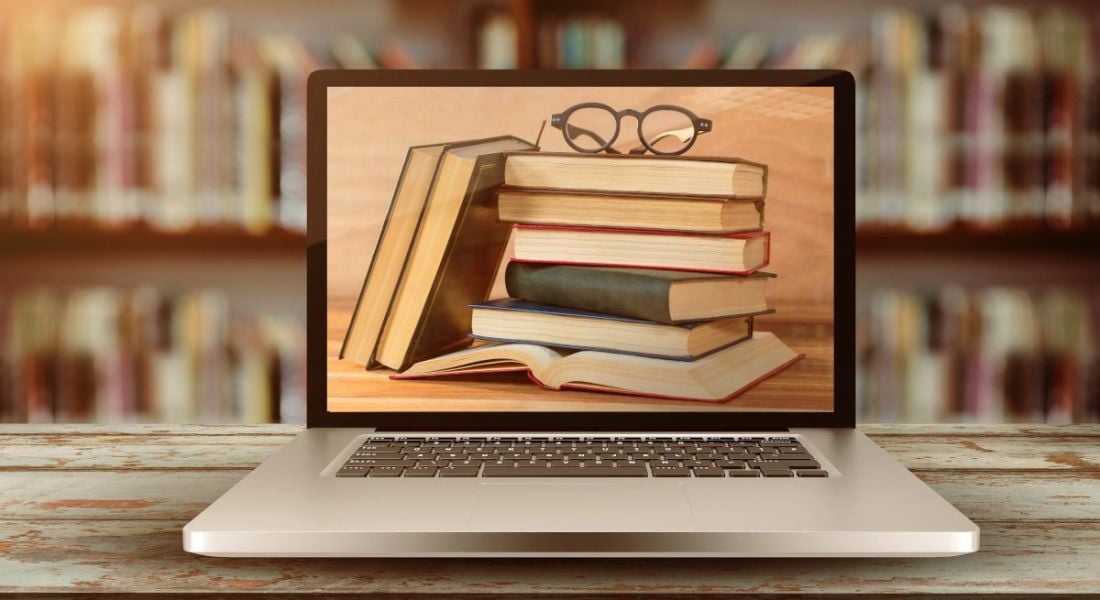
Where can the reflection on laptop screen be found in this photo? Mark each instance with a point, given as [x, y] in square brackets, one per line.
[659, 249]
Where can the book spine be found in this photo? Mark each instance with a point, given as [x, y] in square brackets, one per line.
[597, 290]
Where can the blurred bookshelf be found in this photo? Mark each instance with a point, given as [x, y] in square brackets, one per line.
[154, 149]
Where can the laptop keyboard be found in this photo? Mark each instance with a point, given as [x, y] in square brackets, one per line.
[553, 456]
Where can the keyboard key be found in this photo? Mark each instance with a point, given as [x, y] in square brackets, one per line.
[375, 446]
[777, 473]
[420, 472]
[812, 473]
[708, 472]
[669, 471]
[392, 454]
[802, 464]
[385, 471]
[353, 471]
[791, 456]
[458, 472]
[570, 471]
[742, 473]
[380, 462]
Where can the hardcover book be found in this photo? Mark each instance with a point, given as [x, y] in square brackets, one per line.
[510, 320]
[394, 241]
[651, 294]
[732, 253]
[410, 196]
[674, 212]
[631, 173]
[453, 257]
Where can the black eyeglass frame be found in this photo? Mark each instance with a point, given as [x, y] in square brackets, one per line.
[699, 126]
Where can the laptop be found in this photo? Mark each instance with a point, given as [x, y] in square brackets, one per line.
[548, 317]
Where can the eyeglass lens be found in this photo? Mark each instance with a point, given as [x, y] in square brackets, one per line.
[591, 128]
[667, 131]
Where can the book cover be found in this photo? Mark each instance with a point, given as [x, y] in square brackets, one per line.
[642, 160]
[445, 320]
[638, 293]
[512, 304]
[380, 290]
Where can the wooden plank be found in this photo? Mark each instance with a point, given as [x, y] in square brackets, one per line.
[112, 495]
[982, 496]
[1045, 430]
[141, 453]
[999, 453]
[203, 450]
[146, 556]
[142, 429]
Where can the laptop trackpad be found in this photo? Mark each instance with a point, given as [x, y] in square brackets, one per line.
[582, 505]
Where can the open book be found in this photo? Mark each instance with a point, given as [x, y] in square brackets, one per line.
[715, 378]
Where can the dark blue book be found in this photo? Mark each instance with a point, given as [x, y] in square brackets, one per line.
[517, 321]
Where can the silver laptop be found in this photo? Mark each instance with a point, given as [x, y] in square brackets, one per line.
[543, 321]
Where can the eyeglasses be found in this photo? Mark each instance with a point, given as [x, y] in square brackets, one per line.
[662, 129]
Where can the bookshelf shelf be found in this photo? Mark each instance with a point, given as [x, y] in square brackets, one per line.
[207, 241]
[1007, 241]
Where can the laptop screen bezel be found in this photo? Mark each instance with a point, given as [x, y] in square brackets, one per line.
[843, 414]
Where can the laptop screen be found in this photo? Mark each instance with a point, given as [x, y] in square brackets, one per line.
[603, 249]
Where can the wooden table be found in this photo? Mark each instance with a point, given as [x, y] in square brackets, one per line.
[99, 509]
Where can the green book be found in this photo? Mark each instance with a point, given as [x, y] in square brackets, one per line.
[652, 294]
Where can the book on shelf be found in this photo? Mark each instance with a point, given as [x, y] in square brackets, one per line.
[641, 174]
[980, 115]
[992, 354]
[516, 321]
[123, 355]
[496, 40]
[581, 42]
[719, 377]
[428, 314]
[656, 295]
[733, 253]
[703, 214]
[118, 114]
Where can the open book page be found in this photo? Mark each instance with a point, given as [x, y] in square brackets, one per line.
[489, 358]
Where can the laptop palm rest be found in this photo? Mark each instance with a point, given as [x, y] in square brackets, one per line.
[563, 504]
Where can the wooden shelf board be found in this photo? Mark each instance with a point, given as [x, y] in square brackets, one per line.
[1009, 241]
[70, 237]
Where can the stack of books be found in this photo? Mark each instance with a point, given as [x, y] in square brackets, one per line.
[630, 274]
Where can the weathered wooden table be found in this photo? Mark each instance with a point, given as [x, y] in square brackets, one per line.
[99, 509]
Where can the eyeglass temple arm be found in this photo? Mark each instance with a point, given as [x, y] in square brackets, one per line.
[684, 134]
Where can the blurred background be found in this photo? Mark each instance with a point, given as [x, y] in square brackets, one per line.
[152, 186]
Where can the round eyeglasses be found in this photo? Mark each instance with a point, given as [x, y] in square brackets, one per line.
[662, 129]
